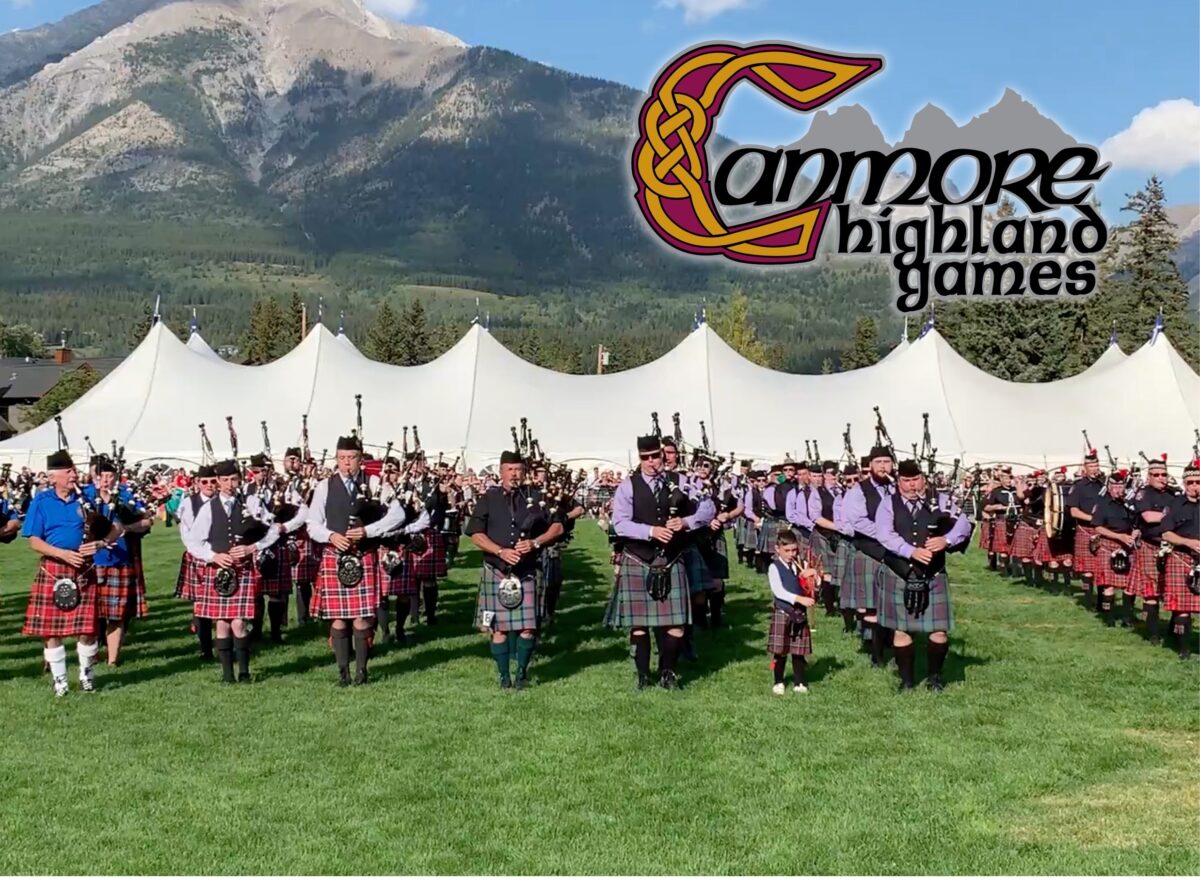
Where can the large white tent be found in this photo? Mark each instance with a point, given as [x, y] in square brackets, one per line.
[466, 400]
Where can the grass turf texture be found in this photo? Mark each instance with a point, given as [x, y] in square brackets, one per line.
[1059, 747]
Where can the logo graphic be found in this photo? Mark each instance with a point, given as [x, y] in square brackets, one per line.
[670, 164]
[1001, 206]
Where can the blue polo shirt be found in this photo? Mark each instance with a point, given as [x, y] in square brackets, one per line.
[119, 555]
[7, 512]
[57, 522]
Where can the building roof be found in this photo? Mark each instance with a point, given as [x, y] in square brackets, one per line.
[22, 379]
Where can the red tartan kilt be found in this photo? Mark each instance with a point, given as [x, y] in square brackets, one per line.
[437, 539]
[985, 534]
[1000, 543]
[1026, 541]
[191, 576]
[784, 638]
[121, 595]
[1105, 576]
[278, 585]
[1175, 579]
[425, 566]
[45, 621]
[1144, 578]
[306, 559]
[403, 583]
[332, 601]
[1085, 562]
[239, 606]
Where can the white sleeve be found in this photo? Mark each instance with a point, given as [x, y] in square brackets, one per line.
[392, 520]
[186, 519]
[777, 589]
[420, 524]
[271, 537]
[317, 530]
[297, 522]
[196, 538]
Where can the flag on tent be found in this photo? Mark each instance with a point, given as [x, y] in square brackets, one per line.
[1158, 327]
[927, 326]
[195, 323]
[1112, 336]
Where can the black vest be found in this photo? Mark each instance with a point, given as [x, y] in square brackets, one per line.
[780, 495]
[652, 510]
[827, 499]
[790, 581]
[509, 519]
[916, 530]
[222, 534]
[865, 543]
[338, 504]
[197, 502]
[757, 504]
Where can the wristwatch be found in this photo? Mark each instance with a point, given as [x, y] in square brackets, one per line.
[536, 545]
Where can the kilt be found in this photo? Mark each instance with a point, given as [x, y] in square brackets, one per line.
[437, 543]
[1053, 550]
[403, 582]
[845, 553]
[333, 601]
[424, 567]
[893, 614]
[238, 606]
[305, 557]
[1144, 577]
[45, 621]
[278, 585]
[1026, 541]
[1084, 561]
[750, 537]
[985, 534]
[191, 575]
[1000, 543]
[524, 616]
[120, 594]
[630, 605]
[769, 533]
[784, 638]
[1175, 592]
[739, 531]
[698, 576]
[1105, 576]
[716, 556]
[823, 550]
[552, 561]
[858, 589]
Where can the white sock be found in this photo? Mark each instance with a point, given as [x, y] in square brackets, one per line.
[57, 658]
[87, 655]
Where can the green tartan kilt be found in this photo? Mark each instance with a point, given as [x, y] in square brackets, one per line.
[830, 558]
[699, 578]
[769, 533]
[938, 617]
[524, 616]
[750, 538]
[858, 584]
[631, 606]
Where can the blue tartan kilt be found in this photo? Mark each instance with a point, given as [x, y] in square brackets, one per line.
[769, 533]
[631, 606]
[938, 617]
[858, 587]
[828, 556]
[698, 576]
[524, 616]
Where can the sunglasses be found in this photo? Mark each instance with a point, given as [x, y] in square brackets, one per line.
[1191, 482]
[650, 456]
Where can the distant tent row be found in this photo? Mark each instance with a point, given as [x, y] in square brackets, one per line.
[465, 401]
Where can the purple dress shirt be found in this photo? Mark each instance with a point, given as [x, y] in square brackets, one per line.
[622, 512]
[885, 527]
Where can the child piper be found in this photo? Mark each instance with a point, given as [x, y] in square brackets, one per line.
[793, 590]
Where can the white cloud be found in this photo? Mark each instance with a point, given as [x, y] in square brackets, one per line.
[695, 11]
[20, 4]
[395, 8]
[1164, 138]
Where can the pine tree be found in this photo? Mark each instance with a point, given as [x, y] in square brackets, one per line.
[864, 349]
[383, 339]
[138, 331]
[267, 336]
[826, 367]
[70, 386]
[732, 323]
[296, 315]
[415, 341]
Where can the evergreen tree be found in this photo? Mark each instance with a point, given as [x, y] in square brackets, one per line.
[138, 331]
[732, 323]
[267, 337]
[415, 341]
[70, 386]
[296, 315]
[864, 349]
[826, 367]
[383, 339]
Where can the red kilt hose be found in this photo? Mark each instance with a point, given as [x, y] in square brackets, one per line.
[524, 616]
[985, 534]
[1026, 541]
[1085, 562]
[784, 637]
[1105, 576]
[1175, 583]
[191, 576]
[305, 555]
[279, 584]
[630, 605]
[939, 616]
[121, 595]
[239, 606]
[334, 601]
[1145, 579]
[45, 621]
[437, 542]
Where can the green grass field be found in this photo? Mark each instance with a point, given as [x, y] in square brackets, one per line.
[1059, 746]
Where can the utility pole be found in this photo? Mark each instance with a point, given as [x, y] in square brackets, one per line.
[303, 320]
[601, 359]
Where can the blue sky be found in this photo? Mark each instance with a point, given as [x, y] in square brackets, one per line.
[1091, 66]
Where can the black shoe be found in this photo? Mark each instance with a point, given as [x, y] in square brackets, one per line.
[644, 681]
[668, 682]
[935, 684]
[276, 638]
[401, 639]
[689, 653]
[506, 684]
[431, 620]
[905, 687]
[344, 678]
[522, 681]
[206, 656]
[360, 677]
[243, 678]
